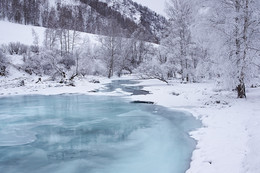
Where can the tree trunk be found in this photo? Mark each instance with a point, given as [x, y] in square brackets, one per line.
[68, 41]
[110, 72]
[61, 42]
[111, 67]
[241, 90]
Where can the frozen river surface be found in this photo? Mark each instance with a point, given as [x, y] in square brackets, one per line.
[92, 134]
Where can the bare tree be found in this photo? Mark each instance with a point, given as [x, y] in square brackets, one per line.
[110, 51]
[50, 39]
[111, 47]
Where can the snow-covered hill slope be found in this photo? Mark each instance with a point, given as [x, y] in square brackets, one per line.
[12, 32]
[91, 16]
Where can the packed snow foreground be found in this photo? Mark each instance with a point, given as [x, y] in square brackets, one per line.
[228, 140]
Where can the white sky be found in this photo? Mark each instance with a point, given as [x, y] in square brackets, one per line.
[156, 5]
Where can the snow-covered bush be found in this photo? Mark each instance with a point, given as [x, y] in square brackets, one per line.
[33, 65]
[89, 63]
[40, 64]
[51, 64]
[153, 69]
[67, 61]
[13, 48]
[34, 49]
[17, 48]
[93, 67]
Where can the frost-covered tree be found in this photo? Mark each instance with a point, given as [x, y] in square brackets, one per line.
[110, 49]
[49, 60]
[50, 38]
[65, 39]
[68, 39]
[35, 46]
[89, 61]
[154, 66]
[126, 60]
[236, 26]
[178, 36]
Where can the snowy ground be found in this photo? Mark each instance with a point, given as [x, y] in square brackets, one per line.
[227, 142]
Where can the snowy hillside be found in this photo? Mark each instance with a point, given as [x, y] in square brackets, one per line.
[127, 18]
[19, 33]
[23, 34]
[139, 14]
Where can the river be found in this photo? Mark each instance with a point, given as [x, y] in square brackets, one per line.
[92, 134]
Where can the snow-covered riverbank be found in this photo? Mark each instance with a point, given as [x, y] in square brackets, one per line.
[228, 141]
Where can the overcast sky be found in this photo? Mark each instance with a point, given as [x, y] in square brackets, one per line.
[156, 5]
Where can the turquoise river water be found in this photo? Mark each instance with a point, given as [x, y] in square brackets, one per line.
[92, 134]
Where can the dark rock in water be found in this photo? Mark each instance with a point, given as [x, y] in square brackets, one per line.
[142, 102]
[94, 81]
[140, 92]
[93, 91]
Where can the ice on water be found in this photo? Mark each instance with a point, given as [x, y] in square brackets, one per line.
[94, 134]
